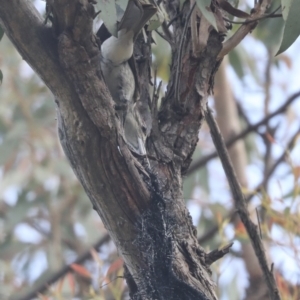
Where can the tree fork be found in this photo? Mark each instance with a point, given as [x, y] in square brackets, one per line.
[142, 209]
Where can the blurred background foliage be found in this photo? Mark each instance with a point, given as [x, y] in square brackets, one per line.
[47, 221]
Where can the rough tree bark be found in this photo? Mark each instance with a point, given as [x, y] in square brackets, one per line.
[142, 208]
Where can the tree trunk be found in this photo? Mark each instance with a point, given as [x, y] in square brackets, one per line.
[142, 207]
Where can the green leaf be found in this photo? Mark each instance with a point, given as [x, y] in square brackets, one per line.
[109, 15]
[1, 33]
[1, 77]
[265, 30]
[292, 27]
[286, 6]
[204, 6]
[122, 4]
[156, 20]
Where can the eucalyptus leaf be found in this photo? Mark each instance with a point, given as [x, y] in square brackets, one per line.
[122, 4]
[286, 6]
[156, 20]
[1, 77]
[265, 30]
[292, 27]
[109, 15]
[204, 6]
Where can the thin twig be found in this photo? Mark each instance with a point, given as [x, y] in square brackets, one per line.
[155, 102]
[241, 205]
[154, 90]
[283, 155]
[251, 21]
[166, 31]
[171, 21]
[216, 254]
[246, 119]
[244, 29]
[114, 279]
[178, 73]
[155, 96]
[269, 131]
[270, 15]
[203, 161]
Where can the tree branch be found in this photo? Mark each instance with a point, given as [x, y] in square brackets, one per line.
[247, 27]
[215, 255]
[35, 42]
[241, 205]
[88, 128]
[176, 131]
[266, 16]
[179, 63]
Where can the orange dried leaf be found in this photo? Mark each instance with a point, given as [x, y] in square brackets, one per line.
[115, 266]
[80, 270]
[240, 229]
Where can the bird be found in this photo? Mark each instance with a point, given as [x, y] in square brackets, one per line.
[116, 53]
